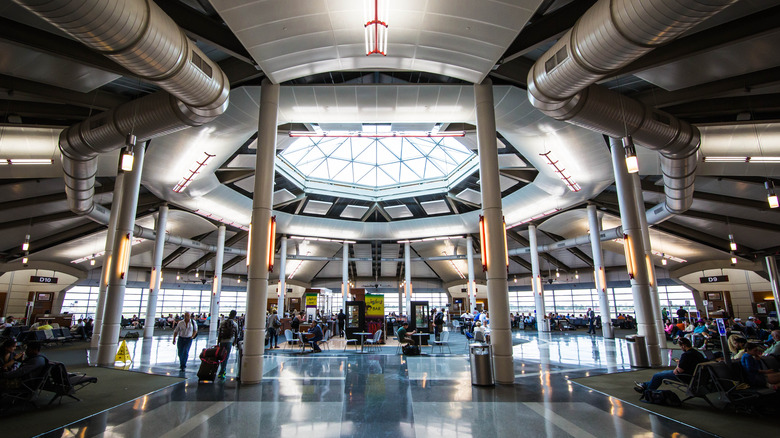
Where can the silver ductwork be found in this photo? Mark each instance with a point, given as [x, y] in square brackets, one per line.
[139, 36]
[606, 38]
[150, 234]
[604, 236]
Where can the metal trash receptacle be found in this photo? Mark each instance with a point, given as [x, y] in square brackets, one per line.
[546, 325]
[637, 351]
[481, 361]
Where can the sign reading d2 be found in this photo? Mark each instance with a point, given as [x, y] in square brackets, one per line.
[375, 305]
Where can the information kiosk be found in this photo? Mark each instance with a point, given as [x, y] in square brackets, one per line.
[356, 319]
[420, 319]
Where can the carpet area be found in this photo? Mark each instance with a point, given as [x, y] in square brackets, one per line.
[114, 387]
[695, 412]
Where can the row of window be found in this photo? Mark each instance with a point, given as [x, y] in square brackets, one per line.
[82, 300]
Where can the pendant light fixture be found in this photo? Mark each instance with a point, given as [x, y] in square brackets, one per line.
[375, 20]
[632, 164]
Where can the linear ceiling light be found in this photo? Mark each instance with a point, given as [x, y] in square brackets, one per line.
[187, 179]
[376, 12]
[17, 161]
[729, 159]
[561, 172]
[400, 134]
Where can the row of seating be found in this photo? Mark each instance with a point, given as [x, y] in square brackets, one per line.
[55, 379]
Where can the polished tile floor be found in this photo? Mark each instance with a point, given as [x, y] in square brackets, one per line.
[381, 394]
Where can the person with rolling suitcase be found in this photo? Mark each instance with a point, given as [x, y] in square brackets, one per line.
[228, 338]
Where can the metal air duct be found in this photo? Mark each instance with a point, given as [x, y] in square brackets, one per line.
[606, 38]
[139, 36]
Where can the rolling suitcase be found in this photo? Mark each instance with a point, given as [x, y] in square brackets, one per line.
[208, 371]
[210, 358]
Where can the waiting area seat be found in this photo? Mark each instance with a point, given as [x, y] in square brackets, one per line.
[443, 341]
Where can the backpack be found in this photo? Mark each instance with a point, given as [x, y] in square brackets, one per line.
[411, 350]
[438, 319]
[663, 397]
[276, 322]
[226, 330]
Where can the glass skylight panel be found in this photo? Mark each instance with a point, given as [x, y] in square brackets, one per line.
[376, 162]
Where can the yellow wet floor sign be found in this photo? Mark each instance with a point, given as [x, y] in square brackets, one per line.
[123, 355]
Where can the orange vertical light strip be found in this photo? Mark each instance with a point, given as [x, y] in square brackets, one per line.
[483, 243]
[629, 250]
[506, 248]
[249, 245]
[271, 242]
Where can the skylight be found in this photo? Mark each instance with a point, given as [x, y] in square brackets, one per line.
[376, 159]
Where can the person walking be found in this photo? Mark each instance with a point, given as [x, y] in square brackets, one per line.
[185, 330]
[272, 325]
[228, 337]
[438, 323]
[591, 321]
[342, 317]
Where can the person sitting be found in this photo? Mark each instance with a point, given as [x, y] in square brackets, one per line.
[683, 372]
[315, 335]
[737, 346]
[32, 367]
[774, 350]
[480, 333]
[402, 338]
[9, 360]
[756, 376]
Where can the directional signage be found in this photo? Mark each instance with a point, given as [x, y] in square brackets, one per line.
[44, 280]
[714, 279]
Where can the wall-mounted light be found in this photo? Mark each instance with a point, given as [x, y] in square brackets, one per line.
[249, 245]
[632, 164]
[771, 198]
[127, 153]
[271, 243]
[124, 255]
[650, 270]
[602, 276]
[732, 243]
[483, 242]
[629, 251]
[26, 244]
[538, 281]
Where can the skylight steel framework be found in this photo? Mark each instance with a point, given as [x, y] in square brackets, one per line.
[379, 167]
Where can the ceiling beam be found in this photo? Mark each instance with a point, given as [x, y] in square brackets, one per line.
[240, 73]
[97, 100]
[649, 186]
[745, 28]
[46, 199]
[178, 252]
[232, 262]
[550, 259]
[27, 36]
[61, 113]
[204, 28]
[210, 255]
[660, 98]
[576, 252]
[520, 261]
[546, 28]
[727, 106]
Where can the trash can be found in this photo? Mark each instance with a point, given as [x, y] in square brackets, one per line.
[545, 324]
[637, 351]
[481, 361]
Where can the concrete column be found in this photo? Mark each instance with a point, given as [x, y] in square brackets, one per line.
[109, 248]
[118, 267]
[640, 284]
[655, 298]
[599, 274]
[536, 281]
[282, 276]
[408, 279]
[495, 234]
[8, 294]
[774, 280]
[216, 286]
[154, 289]
[345, 276]
[472, 290]
[262, 204]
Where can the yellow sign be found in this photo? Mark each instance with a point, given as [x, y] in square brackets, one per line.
[311, 300]
[123, 355]
[375, 305]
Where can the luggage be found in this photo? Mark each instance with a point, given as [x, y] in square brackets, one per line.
[210, 358]
[207, 371]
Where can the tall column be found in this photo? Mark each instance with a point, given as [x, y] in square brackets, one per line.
[408, 279]
[654, 297]
[635, 252]
[536, 281]
[216, 286]
[599, 274]
[97, 324]
[495, 234]
[472, 290]
[345, 276]
[154, 290]
[774, 280]
[262, 204]
[118, 266]
[282, 276]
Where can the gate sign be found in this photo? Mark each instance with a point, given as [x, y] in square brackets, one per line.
[375, 305]
[714, 279]
[44, 280]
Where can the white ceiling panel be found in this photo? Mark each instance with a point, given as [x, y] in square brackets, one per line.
[245, 160]
[354, 211]
[435, 207]
[398, 211]
[506, 161]
[317, 207]
[283, 195]
[469, 195]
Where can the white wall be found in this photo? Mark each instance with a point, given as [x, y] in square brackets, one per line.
[18, 282]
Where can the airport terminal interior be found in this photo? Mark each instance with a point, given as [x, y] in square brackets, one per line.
[528, 160]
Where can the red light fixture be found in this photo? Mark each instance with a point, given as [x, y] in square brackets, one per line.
[376, 26]
[483, 242]
[271, 243]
